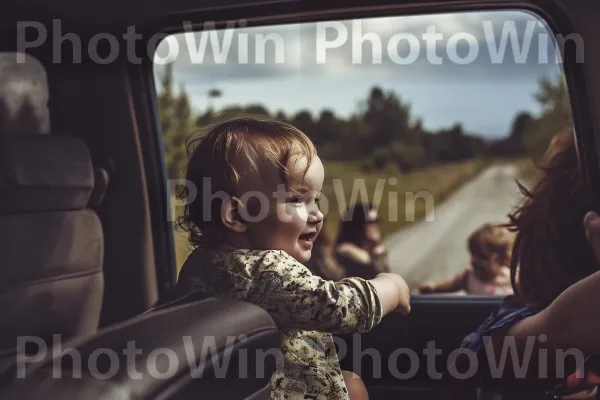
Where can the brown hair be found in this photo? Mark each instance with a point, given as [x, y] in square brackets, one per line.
[489, 240]
[551, 251]
[232, 152]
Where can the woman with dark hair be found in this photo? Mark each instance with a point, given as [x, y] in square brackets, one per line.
[359, 248]
[551, 265]
[550, 220]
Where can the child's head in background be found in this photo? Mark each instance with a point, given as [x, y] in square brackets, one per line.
[490, 247]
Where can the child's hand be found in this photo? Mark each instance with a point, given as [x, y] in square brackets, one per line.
[404, 306]
[591, 224]
[393, 293]
[426, 288]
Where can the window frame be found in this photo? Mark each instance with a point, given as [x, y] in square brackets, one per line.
[555, 18]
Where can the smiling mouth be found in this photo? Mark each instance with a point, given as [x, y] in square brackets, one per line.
[308, 237]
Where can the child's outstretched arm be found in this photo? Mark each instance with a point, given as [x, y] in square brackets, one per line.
[393, 293]
[296, 299]
[451, 285]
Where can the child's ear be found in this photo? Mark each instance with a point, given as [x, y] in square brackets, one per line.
[230, 215]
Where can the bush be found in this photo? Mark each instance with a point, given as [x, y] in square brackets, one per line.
[381, 158]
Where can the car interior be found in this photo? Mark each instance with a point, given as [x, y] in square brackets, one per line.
[87, 256]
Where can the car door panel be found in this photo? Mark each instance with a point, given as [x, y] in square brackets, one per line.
[403, 357]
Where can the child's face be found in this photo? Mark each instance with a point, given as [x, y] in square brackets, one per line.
[487, 269]
[294, 219]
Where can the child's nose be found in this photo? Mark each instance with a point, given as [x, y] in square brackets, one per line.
[315, 215]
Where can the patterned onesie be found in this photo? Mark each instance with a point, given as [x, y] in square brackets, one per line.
[306, 308]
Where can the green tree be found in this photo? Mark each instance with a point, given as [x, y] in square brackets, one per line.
[304, 121]
[280, 116]
[556, 115]
[257, 110]
[206, 118]
[387, 118]
[327, 128]
[521, 123]
[354, 133]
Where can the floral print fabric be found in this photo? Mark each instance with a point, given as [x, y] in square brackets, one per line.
[306, 308]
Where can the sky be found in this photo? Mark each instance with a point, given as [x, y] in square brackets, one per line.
[480, 70]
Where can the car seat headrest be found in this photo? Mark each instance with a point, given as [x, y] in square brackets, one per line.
[44, 173]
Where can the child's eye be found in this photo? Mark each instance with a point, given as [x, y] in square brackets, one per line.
[297, 199]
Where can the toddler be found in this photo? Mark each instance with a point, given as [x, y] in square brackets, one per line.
[490, 248]
[253, 226]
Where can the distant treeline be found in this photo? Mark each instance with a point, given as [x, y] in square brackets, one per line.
[380, 133]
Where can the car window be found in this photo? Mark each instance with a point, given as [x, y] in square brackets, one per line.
[430, 118]
[23, 94]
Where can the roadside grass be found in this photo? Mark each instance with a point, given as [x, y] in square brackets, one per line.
[402, 198]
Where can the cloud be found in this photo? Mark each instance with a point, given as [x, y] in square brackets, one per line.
[502, 77]
[504, 44]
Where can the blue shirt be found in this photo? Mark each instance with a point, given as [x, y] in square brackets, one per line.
[503, 318]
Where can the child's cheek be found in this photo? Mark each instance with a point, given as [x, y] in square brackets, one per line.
[285, 213]
[291, 213]
[302, 213]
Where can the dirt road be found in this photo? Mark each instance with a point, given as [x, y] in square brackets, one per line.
[435, 249]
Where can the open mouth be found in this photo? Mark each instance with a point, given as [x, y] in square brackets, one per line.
[308, 237]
